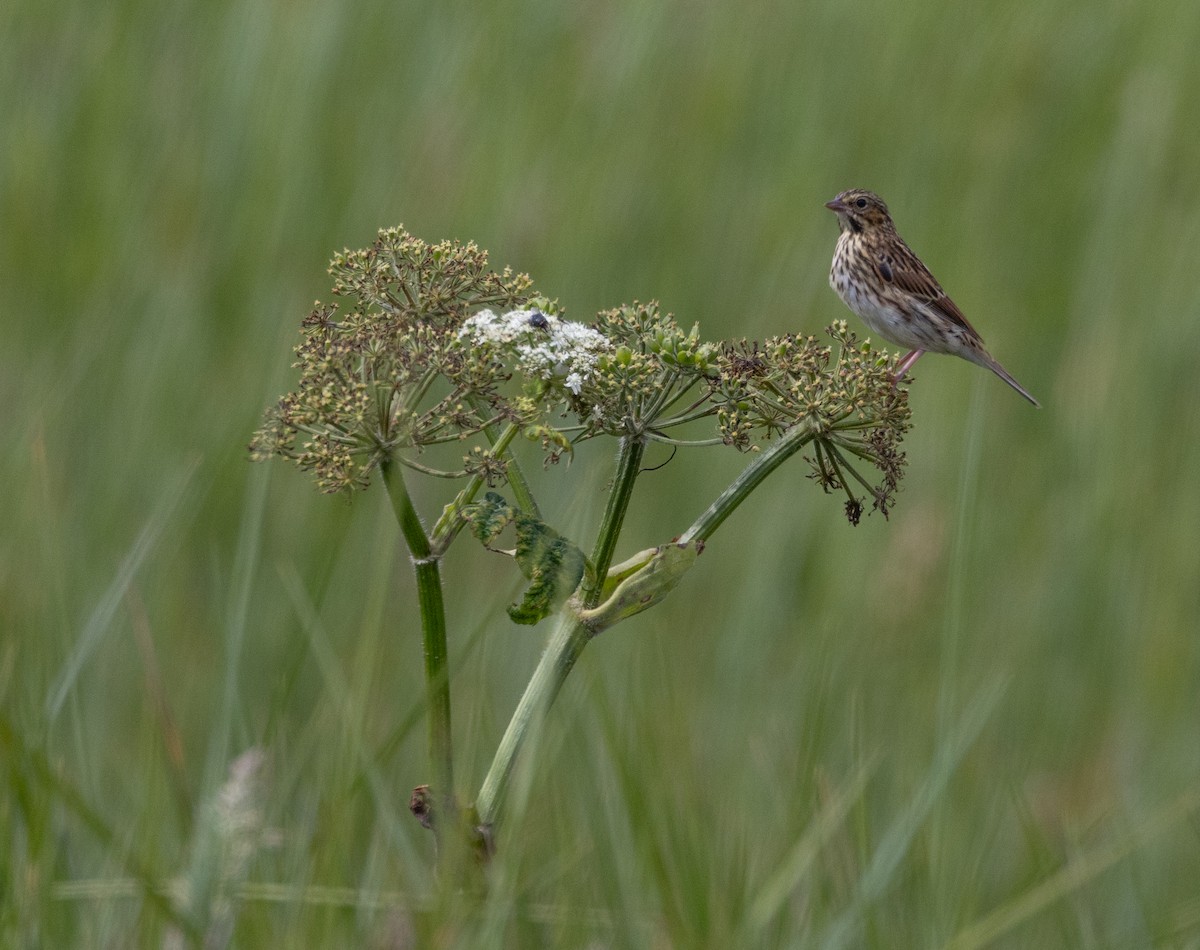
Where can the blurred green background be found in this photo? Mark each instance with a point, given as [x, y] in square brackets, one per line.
[1013, 658]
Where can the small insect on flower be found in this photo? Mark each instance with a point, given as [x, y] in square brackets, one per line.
[546, 348]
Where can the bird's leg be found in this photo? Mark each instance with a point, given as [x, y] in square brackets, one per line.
[906, 364]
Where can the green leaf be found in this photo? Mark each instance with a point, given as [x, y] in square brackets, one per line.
[489, 517]
[553, 564]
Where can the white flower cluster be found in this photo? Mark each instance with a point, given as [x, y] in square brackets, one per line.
[545, 346]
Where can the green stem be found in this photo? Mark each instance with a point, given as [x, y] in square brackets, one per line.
[437, 674]
[566, 644]
[449, 524]
[516, 477]
[520, 486]
[406, 514]
[740, 488]
[629, 463]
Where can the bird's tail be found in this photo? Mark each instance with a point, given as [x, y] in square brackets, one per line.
[1000, 371]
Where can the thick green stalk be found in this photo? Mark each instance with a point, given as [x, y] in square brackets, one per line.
[629, 463]
[566, 644]
[437, 674]
[406, 514]
[739, 489]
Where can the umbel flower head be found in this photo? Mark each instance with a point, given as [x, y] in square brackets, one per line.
[845, 398]
[393, 371]
[431, 346]
[653, 376]
[627, 374]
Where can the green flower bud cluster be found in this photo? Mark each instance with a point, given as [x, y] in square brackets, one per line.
[653, 379]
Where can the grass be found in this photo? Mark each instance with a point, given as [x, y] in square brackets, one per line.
[973, 725]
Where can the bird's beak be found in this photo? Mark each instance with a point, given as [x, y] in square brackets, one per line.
[836, 206]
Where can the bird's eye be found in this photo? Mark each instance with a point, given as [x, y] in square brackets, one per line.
[861, 203]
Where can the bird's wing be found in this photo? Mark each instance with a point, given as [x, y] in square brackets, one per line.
[899, 266]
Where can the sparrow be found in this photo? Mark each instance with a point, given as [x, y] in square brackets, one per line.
[878, 276]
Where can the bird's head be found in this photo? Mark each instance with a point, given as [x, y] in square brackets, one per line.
[859, 210]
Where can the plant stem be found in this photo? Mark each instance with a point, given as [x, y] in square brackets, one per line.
[629, 463]
[740, 488]
[437, 674]
[571, 636]
[449, 524]
[406, 514]
[566, 644]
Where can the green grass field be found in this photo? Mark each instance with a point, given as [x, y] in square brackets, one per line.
[974, 725]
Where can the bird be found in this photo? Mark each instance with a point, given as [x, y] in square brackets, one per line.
[881, 279]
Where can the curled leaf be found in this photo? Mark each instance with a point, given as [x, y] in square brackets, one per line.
[553, 564]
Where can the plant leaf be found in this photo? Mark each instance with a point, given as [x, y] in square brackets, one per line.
[553, 564]
[488, 518]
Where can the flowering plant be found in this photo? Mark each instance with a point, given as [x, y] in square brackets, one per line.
[435, 348]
